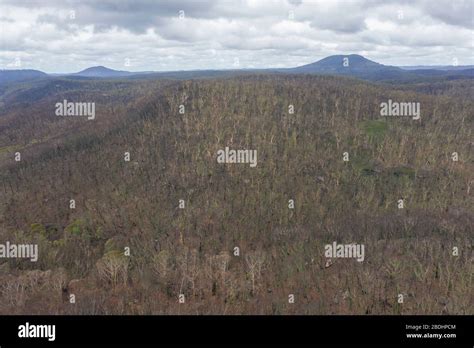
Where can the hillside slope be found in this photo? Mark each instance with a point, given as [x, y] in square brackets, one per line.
[173, 156]
[9, 76]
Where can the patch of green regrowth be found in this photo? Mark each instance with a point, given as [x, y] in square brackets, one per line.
[375, 129]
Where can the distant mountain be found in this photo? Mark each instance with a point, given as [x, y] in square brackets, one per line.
[102, 71]
[444, 73]
[437, 67]
[366, 69]
[348, 65]
[352, 65]
[7, 76]
[341, 63]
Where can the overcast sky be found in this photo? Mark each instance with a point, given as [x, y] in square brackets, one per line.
[68, 36]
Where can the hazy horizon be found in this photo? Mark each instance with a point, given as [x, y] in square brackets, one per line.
[224, 69]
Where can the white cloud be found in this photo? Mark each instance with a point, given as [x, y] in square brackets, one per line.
[213, 33]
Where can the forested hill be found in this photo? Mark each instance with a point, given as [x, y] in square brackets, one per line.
[329, 168]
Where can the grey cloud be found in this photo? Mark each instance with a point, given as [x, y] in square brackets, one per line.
[260, 33]
[458, 12]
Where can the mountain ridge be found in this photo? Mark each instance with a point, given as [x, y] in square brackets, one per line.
[102, 71]
[348, 65]
[20, 75]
